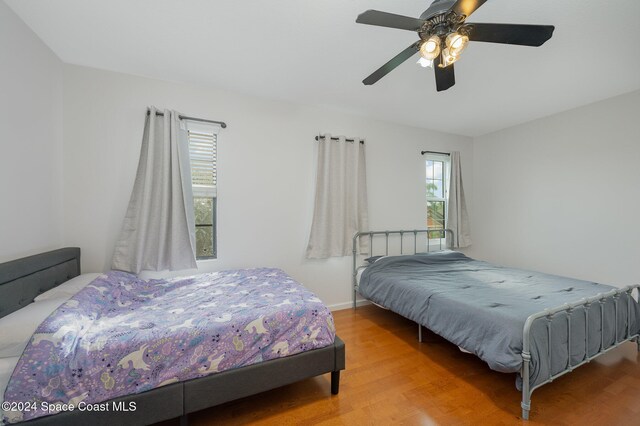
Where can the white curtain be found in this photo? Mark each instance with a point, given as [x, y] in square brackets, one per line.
[457, 216]
[341, 198]
[159, 231]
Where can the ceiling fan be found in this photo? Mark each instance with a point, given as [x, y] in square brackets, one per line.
[444, 34]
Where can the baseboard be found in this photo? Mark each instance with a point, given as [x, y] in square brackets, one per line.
[347, 305]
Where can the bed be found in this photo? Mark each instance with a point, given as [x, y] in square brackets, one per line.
[274, 363]
[538, 325]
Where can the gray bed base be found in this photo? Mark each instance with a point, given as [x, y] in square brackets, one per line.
[22, 280]
[548, 314]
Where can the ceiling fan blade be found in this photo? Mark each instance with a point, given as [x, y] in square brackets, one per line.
[523, 35]
[384, 19]
[391, 65]
[466, 7]
[445, 77]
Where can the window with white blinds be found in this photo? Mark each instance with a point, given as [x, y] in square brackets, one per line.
[203, 153]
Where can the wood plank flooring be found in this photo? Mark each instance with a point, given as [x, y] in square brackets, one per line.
[393, 379]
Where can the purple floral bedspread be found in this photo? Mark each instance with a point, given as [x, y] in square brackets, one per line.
[122, 335]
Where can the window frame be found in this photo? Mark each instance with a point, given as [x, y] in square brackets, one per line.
[446, 173]
[203, 191]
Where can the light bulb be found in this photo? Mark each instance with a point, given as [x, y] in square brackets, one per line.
[425, 63]
[456, 43]
[448, 58]
[430, 49]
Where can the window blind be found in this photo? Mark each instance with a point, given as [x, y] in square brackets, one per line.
[203, 151]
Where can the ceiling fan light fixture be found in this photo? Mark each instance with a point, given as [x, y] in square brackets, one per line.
[430, 49]
[448, 58]
[425, 63]
[456, 43]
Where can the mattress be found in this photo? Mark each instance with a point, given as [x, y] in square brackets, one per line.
[121, 335]
[482, 308]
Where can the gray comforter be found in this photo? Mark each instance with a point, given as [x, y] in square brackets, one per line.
[483, 307]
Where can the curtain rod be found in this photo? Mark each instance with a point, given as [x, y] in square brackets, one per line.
[335, 139]
[202, 120]
[434, 152]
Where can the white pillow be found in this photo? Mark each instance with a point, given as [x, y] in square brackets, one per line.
[69, 288]
[17, 328]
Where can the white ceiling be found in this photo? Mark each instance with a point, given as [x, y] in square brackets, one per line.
[313, 52]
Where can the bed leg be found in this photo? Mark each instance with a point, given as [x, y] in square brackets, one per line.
[335, 382]
[419, 333]
[526, 403]
[526, 393]
[638, 342]
[184, 420]
[525, 414]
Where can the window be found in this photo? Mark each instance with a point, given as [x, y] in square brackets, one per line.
[203, 153]
[437, 174]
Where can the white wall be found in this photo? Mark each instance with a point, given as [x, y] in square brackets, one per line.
[562, 194]
[30, 141]
[266, 171]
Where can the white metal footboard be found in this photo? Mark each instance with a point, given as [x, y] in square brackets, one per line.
[568, 309]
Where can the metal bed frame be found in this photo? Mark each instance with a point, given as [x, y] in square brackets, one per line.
[548, 314]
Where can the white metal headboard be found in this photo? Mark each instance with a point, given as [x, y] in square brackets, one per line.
[399, 233]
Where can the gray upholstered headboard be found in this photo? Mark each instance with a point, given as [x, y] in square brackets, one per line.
[21, 280]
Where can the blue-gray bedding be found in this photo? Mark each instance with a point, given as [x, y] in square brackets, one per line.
[483, 307]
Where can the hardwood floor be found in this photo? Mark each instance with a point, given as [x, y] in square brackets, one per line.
[393, 379]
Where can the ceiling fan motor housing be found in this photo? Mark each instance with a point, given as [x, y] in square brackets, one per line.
[438, 7]
[440, 20]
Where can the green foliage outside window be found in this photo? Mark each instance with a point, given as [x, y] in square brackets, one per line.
[204, 208]
[435, 192]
